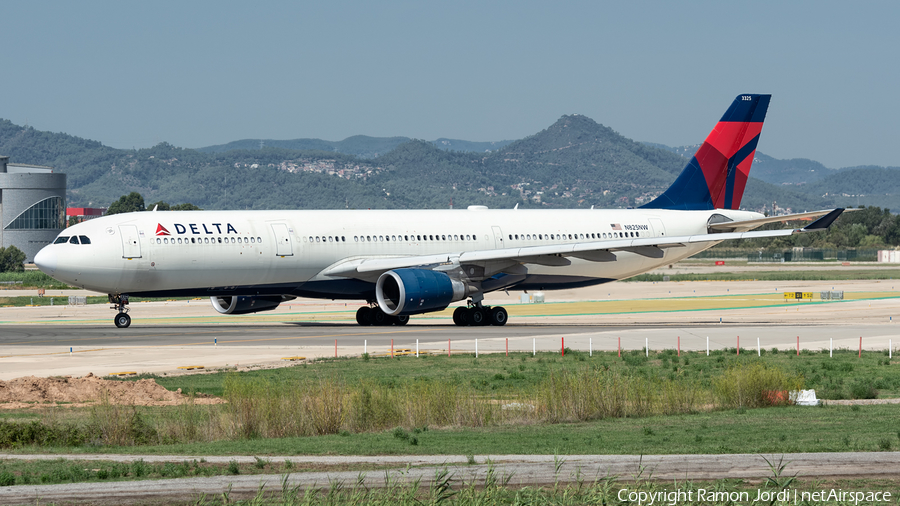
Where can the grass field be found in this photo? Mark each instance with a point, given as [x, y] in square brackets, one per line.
[667, 403]
[448, 488]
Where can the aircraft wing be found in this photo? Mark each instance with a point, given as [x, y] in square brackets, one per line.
[555, 254]
[750, 224]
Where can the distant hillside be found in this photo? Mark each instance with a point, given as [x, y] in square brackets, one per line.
[575, 162]
[362, 146]
[796, 171]
[849, 186]
[852, 186]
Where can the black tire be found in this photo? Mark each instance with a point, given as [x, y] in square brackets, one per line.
[378, 317]
[498, 316]
[401, 320]
[459, 316]
[476, 316]
[122, 320]
[363, 316]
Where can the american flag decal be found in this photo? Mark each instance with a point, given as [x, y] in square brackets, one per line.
[615, 226]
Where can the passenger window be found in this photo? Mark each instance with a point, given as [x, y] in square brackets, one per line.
[192, 240]
[343, 239]
[158, 240]
[73, 240]
[356, 238]
[61, 239]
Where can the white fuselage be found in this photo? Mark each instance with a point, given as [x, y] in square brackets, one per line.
[253, 252]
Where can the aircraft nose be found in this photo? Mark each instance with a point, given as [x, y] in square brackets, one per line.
[46, 260]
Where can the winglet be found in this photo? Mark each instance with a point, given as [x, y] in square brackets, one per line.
[825, 221]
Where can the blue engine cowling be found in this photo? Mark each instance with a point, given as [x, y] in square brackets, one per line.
[239, 304]
[414, 291]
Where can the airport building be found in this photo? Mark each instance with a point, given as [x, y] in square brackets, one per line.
[32, 206]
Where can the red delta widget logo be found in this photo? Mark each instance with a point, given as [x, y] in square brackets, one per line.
[213, 228]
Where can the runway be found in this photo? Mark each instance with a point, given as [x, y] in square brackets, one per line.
[77, 340]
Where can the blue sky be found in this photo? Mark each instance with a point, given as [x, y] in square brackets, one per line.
[132, 74]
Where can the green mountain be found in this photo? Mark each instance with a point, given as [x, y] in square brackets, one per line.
[575, 162]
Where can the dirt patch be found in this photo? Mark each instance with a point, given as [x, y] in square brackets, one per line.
[34, 391]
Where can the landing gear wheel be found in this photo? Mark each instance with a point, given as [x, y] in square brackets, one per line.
[401, 320]
[363, 316]
[459, 316]
[377, 317]
[476, 316]
[498, 316]
[122, 320]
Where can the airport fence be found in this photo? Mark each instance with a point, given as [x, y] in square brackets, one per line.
[793, 255]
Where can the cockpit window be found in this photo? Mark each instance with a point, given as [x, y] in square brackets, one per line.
[84, 239]
[73, 240]
[61, 239]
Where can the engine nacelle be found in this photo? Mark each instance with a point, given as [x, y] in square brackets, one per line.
[414, 291]
[239, 304]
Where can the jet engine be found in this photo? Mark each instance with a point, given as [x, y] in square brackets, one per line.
[414, 291]
[239, 304]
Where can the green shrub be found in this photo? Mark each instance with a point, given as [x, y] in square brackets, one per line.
[7, 479]
[755, 385]
[863, 388]
[15, 434]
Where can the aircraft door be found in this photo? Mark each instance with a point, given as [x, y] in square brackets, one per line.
[659, 230]
[131, 244]
[498, 237]
[283, 245]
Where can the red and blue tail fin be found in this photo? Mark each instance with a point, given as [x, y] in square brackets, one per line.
[717, 174]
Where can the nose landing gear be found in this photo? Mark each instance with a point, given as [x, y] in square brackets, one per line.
[120, 303]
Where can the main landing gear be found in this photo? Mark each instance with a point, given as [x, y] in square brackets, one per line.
[480, 315]
[373, 315]
[120, 303]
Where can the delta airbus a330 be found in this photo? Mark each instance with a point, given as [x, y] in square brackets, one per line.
[404, 263]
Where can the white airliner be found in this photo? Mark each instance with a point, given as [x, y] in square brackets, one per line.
[409, 262]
